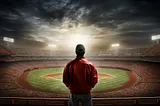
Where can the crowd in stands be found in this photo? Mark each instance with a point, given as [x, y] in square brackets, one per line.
[104, 58]
[5, 51]
[147, 84]
[152, 51]
[40, 52]
[31, 52]
[9, 73]
[15, 63]
[148, 75]
[155, 50]
[124, 52]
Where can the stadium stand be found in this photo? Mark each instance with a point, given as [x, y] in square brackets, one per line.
[143, 70]
[40, 52]
[154, 51]
[5, 51]
[125, 52]
[145, 91]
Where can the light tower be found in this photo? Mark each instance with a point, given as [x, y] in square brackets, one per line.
[156, 39]
[115, 47]
[9, 41]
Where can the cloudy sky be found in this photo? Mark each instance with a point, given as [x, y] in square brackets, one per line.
[128, 22]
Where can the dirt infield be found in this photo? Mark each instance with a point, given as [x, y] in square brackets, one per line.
[24, 83]
[53, 76]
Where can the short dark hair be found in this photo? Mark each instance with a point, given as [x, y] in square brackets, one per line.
[80, 50]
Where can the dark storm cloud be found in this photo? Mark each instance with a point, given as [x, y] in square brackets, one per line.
[12, 22]
[49, 19]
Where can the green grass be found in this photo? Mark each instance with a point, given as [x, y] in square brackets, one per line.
[55, 85]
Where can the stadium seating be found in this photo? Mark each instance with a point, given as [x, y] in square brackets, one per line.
[145, 68]
[147, 72]
[154, 51]
[5, 51]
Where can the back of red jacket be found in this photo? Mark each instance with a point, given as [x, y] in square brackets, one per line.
[80, 76]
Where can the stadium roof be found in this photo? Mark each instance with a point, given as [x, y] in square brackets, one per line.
[128, 22]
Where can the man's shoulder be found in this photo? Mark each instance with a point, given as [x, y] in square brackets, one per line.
[87, 62]
[70, 62]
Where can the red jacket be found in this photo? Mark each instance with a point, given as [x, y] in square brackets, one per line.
[80, 76]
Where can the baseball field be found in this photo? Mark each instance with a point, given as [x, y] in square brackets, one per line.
[50, 80]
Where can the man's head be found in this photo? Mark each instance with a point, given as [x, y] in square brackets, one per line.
[80, 50]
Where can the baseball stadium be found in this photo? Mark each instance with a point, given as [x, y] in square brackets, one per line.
[38, 38]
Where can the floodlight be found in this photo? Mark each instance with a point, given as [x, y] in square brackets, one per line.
[8, 39]
[155, 37]
[52, 45]
[115, 45]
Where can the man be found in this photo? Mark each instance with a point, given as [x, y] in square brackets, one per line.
[80, 76]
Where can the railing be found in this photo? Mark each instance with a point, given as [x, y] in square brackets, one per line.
[96, 101]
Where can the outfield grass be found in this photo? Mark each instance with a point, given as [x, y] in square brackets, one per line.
[55, 85]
